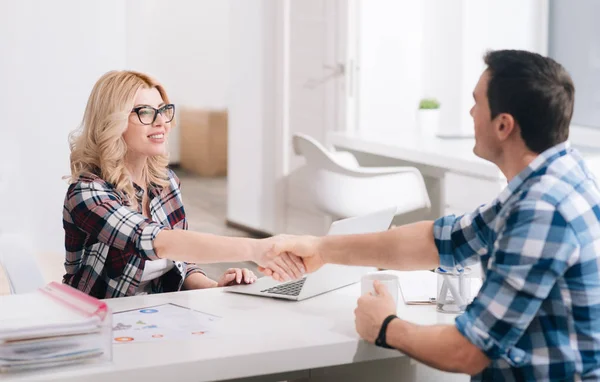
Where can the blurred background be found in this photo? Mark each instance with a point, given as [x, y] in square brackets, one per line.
[246, 75]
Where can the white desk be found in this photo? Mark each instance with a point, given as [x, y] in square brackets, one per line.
[457, 180]
[454, 154]
[262, 339]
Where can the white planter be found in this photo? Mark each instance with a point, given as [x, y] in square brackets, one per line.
[428, 121]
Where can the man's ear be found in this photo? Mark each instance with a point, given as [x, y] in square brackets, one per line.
[504, 126]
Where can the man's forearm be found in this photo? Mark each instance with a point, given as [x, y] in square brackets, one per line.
[409, 247]
[438, 346]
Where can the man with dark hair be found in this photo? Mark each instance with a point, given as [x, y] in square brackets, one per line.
[535, 91]
[537, 315]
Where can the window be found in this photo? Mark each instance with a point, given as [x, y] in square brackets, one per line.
[574, 41]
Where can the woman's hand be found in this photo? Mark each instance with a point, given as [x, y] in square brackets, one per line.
[276, 256]
[290, 256]
[236, 276]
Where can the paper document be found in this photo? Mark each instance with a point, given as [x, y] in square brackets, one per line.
[418, 287]
[48, 350]
[36, 314]
[162, 322]
[55, 325]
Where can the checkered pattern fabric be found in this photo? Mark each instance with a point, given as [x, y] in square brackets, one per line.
[537, 315]
[107, 243]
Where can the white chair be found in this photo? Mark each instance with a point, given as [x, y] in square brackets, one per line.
[19, 264]
[342, 188]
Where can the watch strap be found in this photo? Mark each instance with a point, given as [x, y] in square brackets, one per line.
[381, 338]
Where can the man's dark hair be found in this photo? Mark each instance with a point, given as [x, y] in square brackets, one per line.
[537, 91]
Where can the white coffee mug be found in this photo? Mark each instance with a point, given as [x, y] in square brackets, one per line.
[388, 280]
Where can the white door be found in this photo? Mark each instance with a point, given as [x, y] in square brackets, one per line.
[316, 43]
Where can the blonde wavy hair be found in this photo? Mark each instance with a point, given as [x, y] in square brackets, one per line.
[98, 147]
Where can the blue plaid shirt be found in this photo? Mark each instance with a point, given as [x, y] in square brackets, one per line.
[537, 315]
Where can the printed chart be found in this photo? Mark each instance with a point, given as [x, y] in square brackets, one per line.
[162, 322]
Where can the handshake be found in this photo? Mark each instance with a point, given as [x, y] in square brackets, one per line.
[287, 257]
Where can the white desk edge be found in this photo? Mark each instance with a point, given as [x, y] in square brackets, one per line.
[258, 336]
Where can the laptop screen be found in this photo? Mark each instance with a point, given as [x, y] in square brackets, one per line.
[374, 222]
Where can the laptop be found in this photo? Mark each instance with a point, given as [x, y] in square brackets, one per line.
[330, 276]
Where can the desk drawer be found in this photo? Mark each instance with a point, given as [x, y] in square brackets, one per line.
[465, 193]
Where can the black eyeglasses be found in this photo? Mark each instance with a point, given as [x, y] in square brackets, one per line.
[147, 114]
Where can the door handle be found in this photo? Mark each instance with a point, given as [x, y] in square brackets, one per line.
[335, 71]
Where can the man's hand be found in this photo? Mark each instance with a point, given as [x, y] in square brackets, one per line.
[279, 264]
[302, 250]
[372, 310]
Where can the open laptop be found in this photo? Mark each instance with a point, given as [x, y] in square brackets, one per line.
[330, 276]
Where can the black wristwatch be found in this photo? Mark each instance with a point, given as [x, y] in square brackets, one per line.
[381, 341]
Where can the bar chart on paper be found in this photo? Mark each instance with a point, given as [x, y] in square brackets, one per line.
[162, 322]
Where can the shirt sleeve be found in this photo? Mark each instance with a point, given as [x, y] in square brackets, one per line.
[534, 248]
[460, 240]
[102, 216]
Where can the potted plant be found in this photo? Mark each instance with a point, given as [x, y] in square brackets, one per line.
[428, 116]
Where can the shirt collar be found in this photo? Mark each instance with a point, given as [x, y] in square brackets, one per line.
[153, 190]
[540, 162]
[139, 191]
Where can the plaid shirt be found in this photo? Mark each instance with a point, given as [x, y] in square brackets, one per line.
[537, 315]
[107, 243]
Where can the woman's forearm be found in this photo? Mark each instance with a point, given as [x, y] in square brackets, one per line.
[198, 281]
[196, 247]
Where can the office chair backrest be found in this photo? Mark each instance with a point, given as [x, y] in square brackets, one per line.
[17, 260]
[318, 157]
[342, 188]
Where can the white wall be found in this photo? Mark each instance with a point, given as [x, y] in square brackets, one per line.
[52, 54]
[442, 44]
[436, 49]
[251, 116]
[185, 45]
[389, 76]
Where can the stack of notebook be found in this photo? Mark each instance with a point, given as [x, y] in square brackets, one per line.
[56, 325]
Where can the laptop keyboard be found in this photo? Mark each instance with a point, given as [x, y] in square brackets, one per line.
[288, 289]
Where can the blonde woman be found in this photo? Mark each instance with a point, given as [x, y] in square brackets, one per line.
[125, 225]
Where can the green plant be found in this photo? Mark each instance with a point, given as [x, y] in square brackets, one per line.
[429, 103]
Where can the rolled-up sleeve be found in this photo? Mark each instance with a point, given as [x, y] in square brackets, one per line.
[102, 216]
[459, 239]
[534, 248]
[192, 268]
